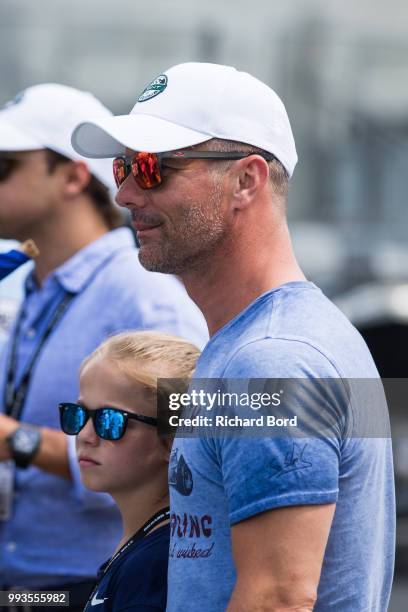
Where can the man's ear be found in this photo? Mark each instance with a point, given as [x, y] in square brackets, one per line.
[252, 174]
[76, 177]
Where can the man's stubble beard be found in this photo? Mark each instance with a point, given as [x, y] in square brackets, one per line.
[201, 228]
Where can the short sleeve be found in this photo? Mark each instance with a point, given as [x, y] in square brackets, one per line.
[289, 468]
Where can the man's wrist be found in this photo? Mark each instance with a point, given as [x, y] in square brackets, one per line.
[24, 443]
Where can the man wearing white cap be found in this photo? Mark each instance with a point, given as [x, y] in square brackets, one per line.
[87, 283]
[268, 522]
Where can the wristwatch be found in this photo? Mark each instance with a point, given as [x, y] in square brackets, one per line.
[23, 443]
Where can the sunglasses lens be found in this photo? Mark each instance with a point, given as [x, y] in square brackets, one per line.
[119, 171]
[109, 423]
[73, 418]
[6, 167]
[146, 170]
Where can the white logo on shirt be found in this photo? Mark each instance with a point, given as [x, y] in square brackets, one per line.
[96, 601]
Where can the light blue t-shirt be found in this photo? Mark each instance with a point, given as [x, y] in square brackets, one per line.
[291, 332]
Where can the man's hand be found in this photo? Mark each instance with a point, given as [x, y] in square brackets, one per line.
[52, 455]
[7, 427]
[278, 556]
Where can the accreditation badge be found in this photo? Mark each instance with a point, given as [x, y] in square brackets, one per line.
[7, 469]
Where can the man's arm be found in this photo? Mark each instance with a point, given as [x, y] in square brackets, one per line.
[52, 455]
[278, 556]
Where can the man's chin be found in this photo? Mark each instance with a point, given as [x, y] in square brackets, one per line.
[152, 260]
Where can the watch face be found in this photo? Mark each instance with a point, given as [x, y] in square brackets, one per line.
[25, 440]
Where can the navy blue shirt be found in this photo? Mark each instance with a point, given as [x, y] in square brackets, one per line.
[11, 261]
[137, 579]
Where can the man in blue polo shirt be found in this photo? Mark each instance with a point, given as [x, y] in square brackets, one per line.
[283, 522]
[87, 283]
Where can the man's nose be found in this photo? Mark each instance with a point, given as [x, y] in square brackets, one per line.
[129, 194]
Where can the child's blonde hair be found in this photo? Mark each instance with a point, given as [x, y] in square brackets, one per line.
[145, 356]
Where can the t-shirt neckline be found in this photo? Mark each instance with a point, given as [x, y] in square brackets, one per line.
[290, 285]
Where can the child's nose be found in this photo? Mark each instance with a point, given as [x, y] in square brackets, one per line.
[88, 435]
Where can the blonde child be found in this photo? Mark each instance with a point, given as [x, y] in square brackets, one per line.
[119, 452]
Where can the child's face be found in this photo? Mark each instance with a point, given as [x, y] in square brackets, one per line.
[138, 459]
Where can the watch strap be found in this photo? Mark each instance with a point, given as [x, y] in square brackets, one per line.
[23, 457]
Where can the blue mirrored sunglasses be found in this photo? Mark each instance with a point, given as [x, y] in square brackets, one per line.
[109, 423]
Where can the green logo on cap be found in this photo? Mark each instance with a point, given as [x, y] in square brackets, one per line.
[154, 88]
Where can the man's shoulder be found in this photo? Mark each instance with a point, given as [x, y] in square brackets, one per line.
[274, 356]
[123, 295]
[292, 332]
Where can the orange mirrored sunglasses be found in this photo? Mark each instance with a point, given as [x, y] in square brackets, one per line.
[146, 168]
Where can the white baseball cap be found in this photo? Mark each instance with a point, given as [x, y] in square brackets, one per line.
[43, 116]
[189, 104]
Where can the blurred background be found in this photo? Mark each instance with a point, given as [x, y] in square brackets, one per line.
[341, 70]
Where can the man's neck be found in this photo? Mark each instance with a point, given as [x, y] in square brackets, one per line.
[57, 245]
[227, 284]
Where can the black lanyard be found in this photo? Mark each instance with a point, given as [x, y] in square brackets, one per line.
[160, 516]
[14, 397]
